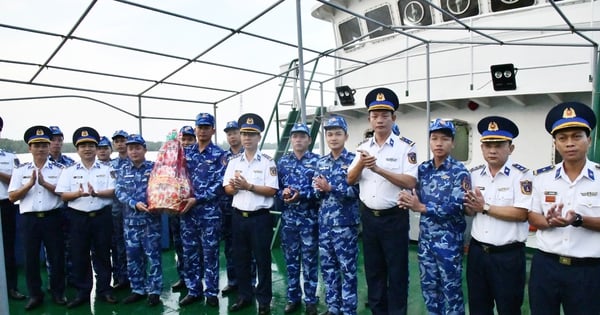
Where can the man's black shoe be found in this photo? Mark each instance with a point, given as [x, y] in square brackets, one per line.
[108, 298]
[311, 309]
[291, 307]
[153, 299]
[264, 309]
[34, 302]
[15, 294]
[59, 299]
[240, 304]
[229, 289]
[122, 286]
[179, 285]
[132, 298]
[189, 299]
[212, 301]
[77, 302]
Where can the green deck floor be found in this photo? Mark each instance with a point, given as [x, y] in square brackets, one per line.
[170, 299]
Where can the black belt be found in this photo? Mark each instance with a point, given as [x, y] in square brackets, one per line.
[490, 249]
[382, 212]
[43, 214]
[247, 214]
[90, 214]
[572, 261]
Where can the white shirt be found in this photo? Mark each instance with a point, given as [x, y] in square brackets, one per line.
[582, 195]
[512, 186]
[8, 162]
[76, 176]
[261, 171]
[37, 198]
[397, 155]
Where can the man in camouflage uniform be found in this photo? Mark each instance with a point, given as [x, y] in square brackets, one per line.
[299, 232]
[439, 197]
[338, 221]
[201, 225]
[142, 228]
[119, 257]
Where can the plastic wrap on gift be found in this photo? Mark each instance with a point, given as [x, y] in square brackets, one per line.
[169, 183]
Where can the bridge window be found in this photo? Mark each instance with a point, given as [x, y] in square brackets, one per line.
[503, 5]
[460, 8]
[414, 12]
[381, 15]
[349, 31]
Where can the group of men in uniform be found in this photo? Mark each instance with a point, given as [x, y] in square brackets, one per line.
[322, 200]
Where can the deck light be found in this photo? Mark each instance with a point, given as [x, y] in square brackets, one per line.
[346, 95]
[503, 77]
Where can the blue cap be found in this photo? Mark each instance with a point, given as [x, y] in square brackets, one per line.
[300, 127]
[37, 134]
[187, 130]
[396, 129]
[120, 133]
[85, 134]
[231, 125]
[56, 131]
[104, 142]
[441, 125]
[205, 119]
[381, 99]
[336, 122]
[497, 128]
[570, 115]
[251, 123]
[136, 139]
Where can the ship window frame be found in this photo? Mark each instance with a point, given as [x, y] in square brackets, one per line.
[371, 26]
[508, 6]
[356, 22]
[428, 14]
[473, 9]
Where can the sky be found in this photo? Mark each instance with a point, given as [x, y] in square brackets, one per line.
[175, 38]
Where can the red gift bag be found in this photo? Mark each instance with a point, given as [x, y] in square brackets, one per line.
[169, 183]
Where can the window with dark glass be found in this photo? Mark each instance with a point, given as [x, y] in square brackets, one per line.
[503, 5]
[414, 12]
[349, 30]
[461, 140]
[381, 15]
[459, 8]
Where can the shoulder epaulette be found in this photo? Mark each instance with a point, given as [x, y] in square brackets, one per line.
[268, 157]
[59, 165]
[363, 141]
[478, 167]
[520, 167]
[24, 164]
[543, 170]
[407, 141]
